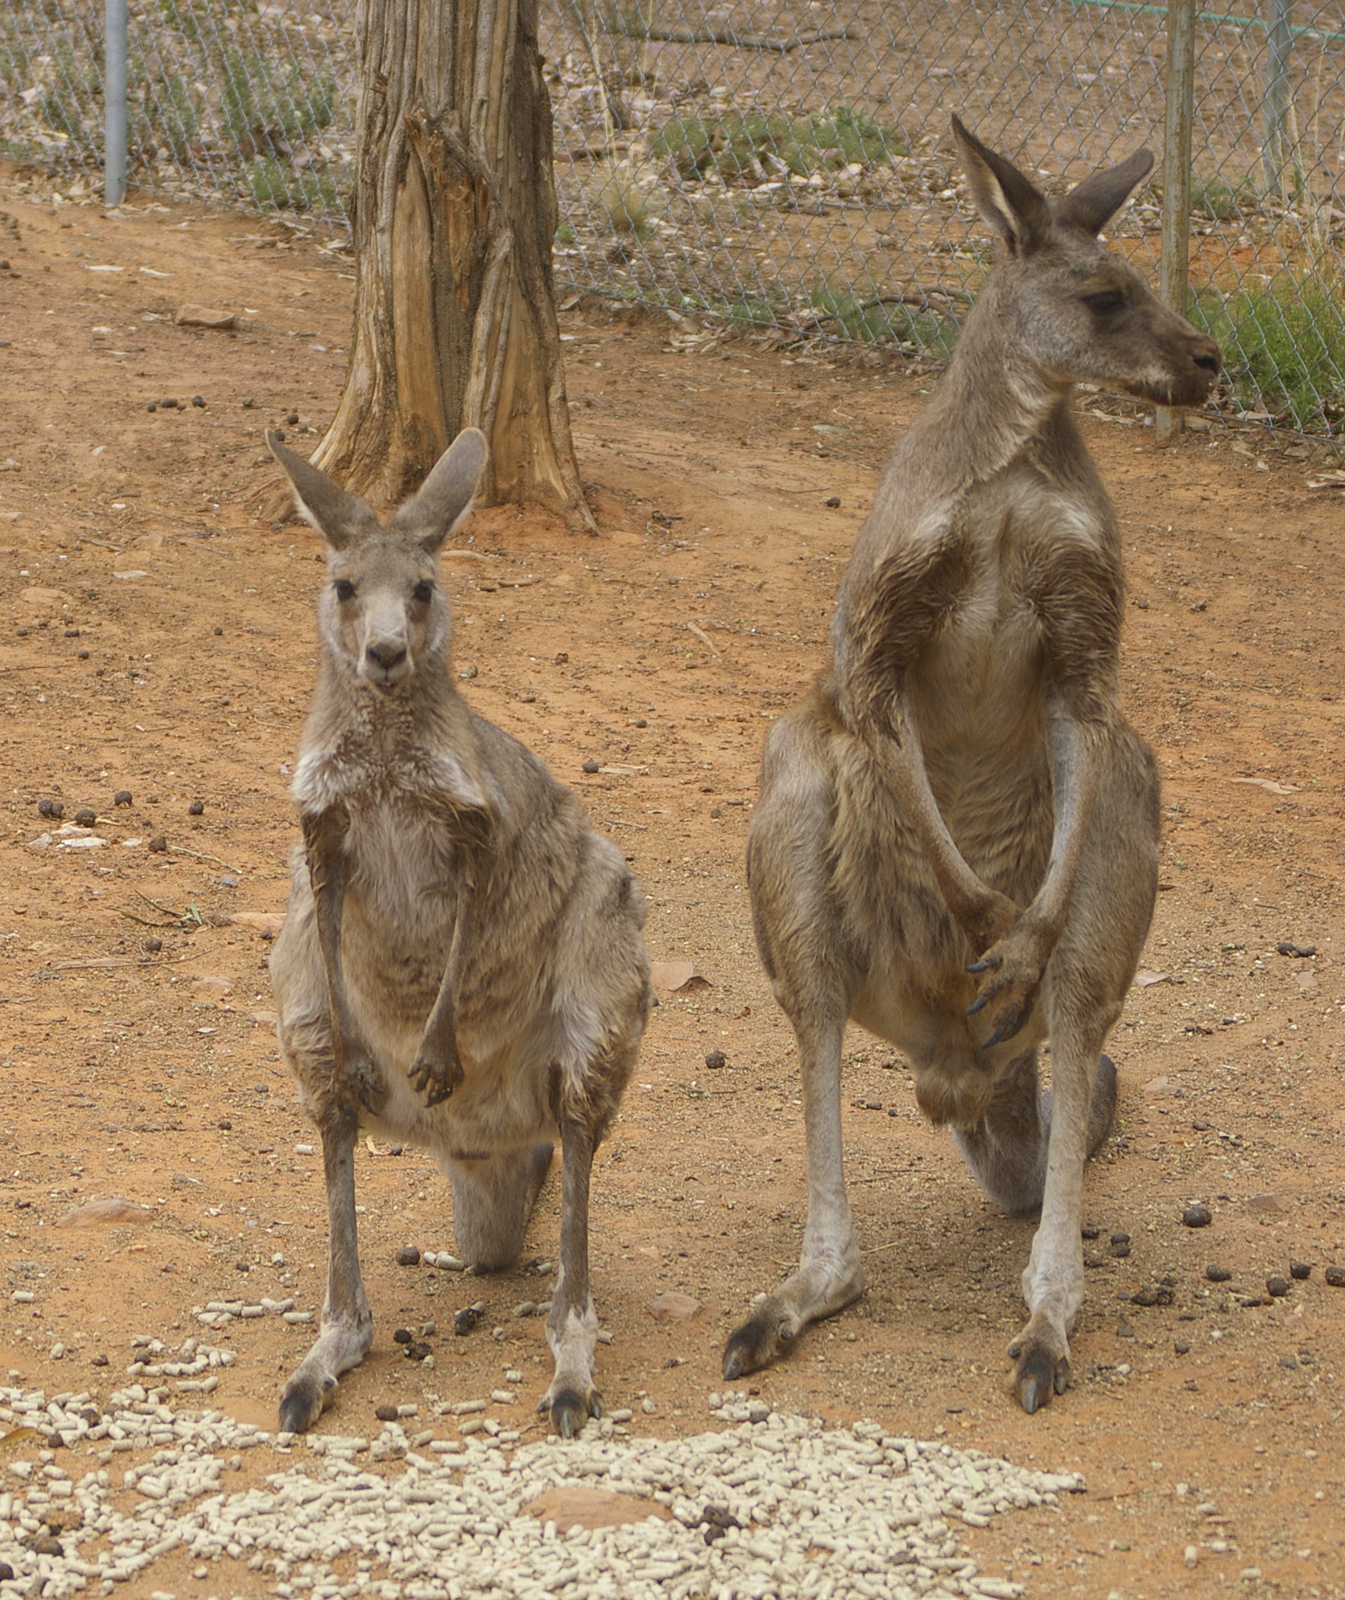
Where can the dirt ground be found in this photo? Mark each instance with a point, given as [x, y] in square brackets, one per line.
[158, 639]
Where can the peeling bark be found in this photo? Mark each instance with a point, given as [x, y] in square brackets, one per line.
[454, 214]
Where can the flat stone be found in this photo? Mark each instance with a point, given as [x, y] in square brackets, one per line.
[567, 1507]
[103, 1213]
[204, 317]
[670, 1306]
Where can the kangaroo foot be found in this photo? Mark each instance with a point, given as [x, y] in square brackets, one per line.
[571, 1406]
[1041, 1365]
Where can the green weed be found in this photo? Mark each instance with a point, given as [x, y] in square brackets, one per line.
[732, 142]
[1223, 202]
[256, 93]
[877, 320]
[171, 113]
[274, 185]
[1283, 346]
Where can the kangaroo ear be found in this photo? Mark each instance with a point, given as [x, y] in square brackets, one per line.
[1016, 210]
[1092, 203]
[446, 496]
[339, 517]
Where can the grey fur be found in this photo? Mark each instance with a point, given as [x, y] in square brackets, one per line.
[461, 965]
[957, 838]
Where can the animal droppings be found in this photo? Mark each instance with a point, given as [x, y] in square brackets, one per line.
[122, 797]
[1197, 1217]
[1300, 1270]
[408, 1256]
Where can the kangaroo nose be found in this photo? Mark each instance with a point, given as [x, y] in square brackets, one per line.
[386, 656]
[1207, 357]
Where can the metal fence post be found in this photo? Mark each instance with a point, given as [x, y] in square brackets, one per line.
[114, 102]
[1172, 270]
[1275, 150]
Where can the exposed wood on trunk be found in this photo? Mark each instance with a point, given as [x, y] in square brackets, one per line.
[454, 215]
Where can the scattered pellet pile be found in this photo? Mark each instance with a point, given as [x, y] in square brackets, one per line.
[781, 1507]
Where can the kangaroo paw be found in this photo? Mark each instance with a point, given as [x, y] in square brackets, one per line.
[435, 1077]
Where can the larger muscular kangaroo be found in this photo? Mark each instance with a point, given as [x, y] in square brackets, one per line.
[957, 838]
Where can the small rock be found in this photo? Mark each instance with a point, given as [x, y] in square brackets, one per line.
[1218, 1274]
[1182, 1348]
[158, 845]
[1300, 1270]
[386, 1413]
[408, 1256]
[196, 808]
[1277, 1286]
[560, 658]
[152, 946]
[832, 500]
[86, 817]
[403, 1336]
[716, 1061]
[224, 1125]
[670, 1306]
[1124, 1331]
[590, 767]
[122, 797]
[1197, 1217]
[205, 317]
[1289, 1362]
[466, 1320]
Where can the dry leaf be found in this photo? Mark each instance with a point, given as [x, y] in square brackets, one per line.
[676, 976]
[1146, 979]
[1265, 783]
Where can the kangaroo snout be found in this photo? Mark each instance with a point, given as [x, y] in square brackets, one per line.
[385, 661]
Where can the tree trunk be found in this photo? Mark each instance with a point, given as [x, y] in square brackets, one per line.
[454, 215]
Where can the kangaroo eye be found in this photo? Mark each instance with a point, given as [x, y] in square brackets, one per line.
[1107, 300]
[424, 591]
[345, 589]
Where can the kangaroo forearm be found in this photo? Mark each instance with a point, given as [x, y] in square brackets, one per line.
[1075, 756]
[323, 833]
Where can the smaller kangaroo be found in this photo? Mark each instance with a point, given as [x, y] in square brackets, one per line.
[461, 965]
[957, 837]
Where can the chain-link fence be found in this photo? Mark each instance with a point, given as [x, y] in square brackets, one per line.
[783, 165]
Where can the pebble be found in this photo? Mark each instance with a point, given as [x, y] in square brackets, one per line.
[1335, 1277]
[1197, 1216]
[1218, 1274]
[1301, 1270]
[716, 1060]
[1277, 1286]
[590, 767]
[408, 1256]
[833, 500]
[467, 1319]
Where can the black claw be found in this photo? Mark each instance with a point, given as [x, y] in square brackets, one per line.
[733, 1366]
[1038, 1374]
[978, 1004]
[997, 1037]
[979, 966]
[570, 1410]
[300, 1408]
